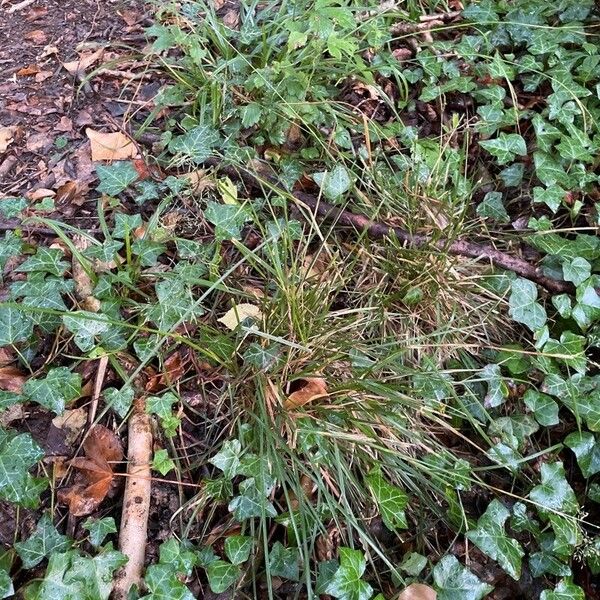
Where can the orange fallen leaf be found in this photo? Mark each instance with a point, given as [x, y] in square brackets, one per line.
[313, 388]
[95, 477]
[418, 591]
[29, 70]
[11, 379]
[110, 146]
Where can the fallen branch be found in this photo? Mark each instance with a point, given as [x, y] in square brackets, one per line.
[136, 502]
[464, 248]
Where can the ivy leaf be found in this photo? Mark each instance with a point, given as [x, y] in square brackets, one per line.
[126, 224]
[119, 400]
[497, 388]
[552, 196]
[554, 493]
[570, 350]
[197, 144]
[99, 529]
[252, 502]
[492, 207]
[453, 581]
[489, 536]
[15, 326]
[116, 177]
[505, 147]
[576, 270]
[95, 575]
[45, 260]
[178, 555]
[391, 501]
[7, 589]
[565, 590]
[334, 183]
[283, 562]
[162, 463]
[9, 246]
[346, 583]
[567, 535]
[413, 563]
[86, 326]
[18, 453]
[55, 391]
[543, 407]
[238, 548]
[587, 451]
[228, 219]
[161, 405]
[43, 542]
[221, 575]
[228, 459]
[163, 584]
[523, 305]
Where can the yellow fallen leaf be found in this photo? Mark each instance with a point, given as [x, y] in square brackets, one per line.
[110, 146]
[418, 591]
[313, 388]
[228, 191]
[235, 315]
[6, 137]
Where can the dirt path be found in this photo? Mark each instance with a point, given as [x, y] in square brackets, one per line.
[48, 49]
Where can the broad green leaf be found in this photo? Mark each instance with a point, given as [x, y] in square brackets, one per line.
[576, 270]
[180, 556]
[505, 456]
[116, 177]
[228, 459]
[549, 171]
[284, 562]
[11, 207]
[148, 251]
[228, 219]
[334, 183]
[252, 502]
[15, 325]
[514, 430]
[543, 407]
[554, 493]
[197, 144]
[43, 542]
[163, 584]
[9, 246]
[413, 563]
[391, 501]
[570, 350]
[565, 590]
[161, 405]
[238, 548]
[453, 581]
[126, 224]
[523, 305]
[95, 575]
[99, 529]
[161, 462]
[7, 589]
[119, 400]
[45, 260]
[544, 562]
[497, 387]
[221, 575]
[492, 207]
[86, 327]
[583, 245]
[505, 147]
[587, 450]
[490, 537]
[346, 583]
[55, 391]
[18, 453]
[512, 176]
[567, 535]
[251, 114]
[551, 196]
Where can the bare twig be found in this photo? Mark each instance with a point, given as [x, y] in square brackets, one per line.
[19, 6]
[136, 502]
[100, 374]
[380, 230]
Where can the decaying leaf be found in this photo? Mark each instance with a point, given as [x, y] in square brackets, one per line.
[418, 591]
[6, 137]
[83, 283]
[96, 477]
[85, 61]
[71, 422]
[110, 146]
[238, 313]
[174, 369]
[312, 389]
[11, 379]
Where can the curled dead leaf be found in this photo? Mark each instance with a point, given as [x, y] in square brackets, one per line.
[6, 137]
[418, 591]
[95, 478]
[110, 146]
[312, 389]
[85, 61]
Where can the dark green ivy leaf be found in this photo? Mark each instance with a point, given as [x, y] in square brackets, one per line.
[116, 177]
[43, 542]
[453, 581]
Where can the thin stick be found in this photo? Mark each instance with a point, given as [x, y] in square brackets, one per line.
[381, 230]
[100, 374]
[136, 502]
[19, 6]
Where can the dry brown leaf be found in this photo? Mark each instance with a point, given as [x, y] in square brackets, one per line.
[42, 76]
[238, 313]
[28, 70]
[313, 388]
[174, 369]
[418, 591]
[83, 282]
[40, 193]
[110, 146]
[6, 137]
[95, 472]
[71, 422]
[37, 36]
[85, 61]
[11, 379]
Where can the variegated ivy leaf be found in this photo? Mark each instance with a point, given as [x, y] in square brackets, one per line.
[554, 493]
[15, 325]
[391, 501]
[490, 537]
[116, 178]
[197, 144]
[228, 219]
[86, 326]
[334, 183]
[221, 575]
[284, 562]
[45, 540]
[346, 582]
[523, 305]
[565, 590]
[454, 581]
[505, 147]
[497, 387]
[54, 391]
[45, 260]
[238, 548]
[587, 450]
